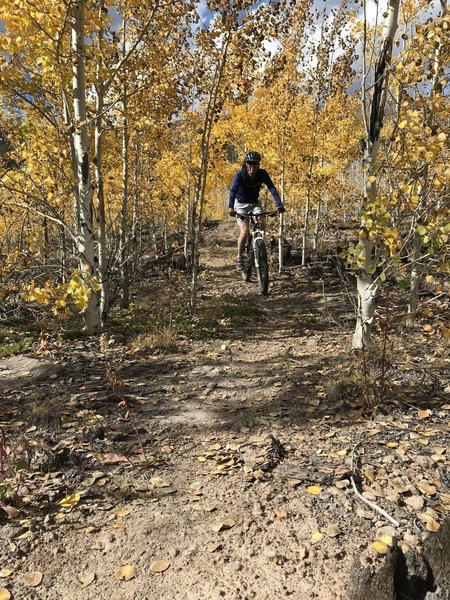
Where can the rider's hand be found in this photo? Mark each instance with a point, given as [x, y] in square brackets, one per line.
[231, 212]
[281, 209]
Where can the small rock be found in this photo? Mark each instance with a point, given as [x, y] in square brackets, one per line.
[387, 530]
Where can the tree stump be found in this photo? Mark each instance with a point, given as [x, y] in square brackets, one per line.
[409, 575]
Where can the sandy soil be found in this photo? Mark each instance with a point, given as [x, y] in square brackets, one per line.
[249, 442]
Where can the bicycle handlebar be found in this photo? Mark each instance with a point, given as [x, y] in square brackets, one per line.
[272, 213]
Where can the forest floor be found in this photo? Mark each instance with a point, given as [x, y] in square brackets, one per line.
[221, 466]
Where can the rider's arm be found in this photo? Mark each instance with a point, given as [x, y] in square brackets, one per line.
[272, 189]
[234, 188]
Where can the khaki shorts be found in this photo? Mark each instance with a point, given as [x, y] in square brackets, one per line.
[243, 209]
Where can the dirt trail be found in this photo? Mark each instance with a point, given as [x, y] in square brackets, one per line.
[229, 508]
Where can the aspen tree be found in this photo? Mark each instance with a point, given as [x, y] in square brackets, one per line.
[373, 115]
[84, 232]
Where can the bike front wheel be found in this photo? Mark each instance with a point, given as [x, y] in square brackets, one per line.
[247, 265]
[262, 268]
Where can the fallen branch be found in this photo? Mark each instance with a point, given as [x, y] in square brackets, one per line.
[372, 505]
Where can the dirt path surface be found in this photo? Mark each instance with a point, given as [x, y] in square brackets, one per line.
[250, 437]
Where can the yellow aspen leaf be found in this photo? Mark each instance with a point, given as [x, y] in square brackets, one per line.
[403, 124]
[317, 536]
[371, 178]
[70, 501]
[424, 414]
[4, 594]
[387, 539]
[369, 475]
[380, 547]
[442, 137]
[6, 572]
[125, 572]
[314, 490]
[438, 457]
[159, 566]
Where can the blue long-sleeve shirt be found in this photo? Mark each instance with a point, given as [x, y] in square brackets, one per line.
[247, 192]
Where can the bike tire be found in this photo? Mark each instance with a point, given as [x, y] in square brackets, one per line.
[262, 270]
[247, 266]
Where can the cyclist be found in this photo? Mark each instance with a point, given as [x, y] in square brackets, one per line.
[244, 196]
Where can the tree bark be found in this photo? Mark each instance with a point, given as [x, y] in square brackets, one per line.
[366, 288]
[85, 234]
[98, 166]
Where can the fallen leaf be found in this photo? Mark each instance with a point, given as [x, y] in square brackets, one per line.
[6, 572]
[415, 502]
[369, 475]
[121, 511]
[86, 578]
[159, 566]
[332, 530]
[317, 536]
[111, 458]
[380, 547]
[4, 594]
[342, 483]
[438, 457]
[426, 488]
[221, 526]
[32, 579]
[314, 490]
[423, 414]
[214, 547]
[10, 510]
[70, 501]
[429, 518]
[387, 539]
[125, 572]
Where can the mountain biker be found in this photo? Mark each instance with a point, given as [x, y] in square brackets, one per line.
[244, 196]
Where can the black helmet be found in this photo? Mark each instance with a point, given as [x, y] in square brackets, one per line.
[252, 157]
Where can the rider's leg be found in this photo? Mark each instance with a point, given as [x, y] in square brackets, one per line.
[244, 230]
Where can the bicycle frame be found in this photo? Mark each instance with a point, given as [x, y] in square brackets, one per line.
[256, 250]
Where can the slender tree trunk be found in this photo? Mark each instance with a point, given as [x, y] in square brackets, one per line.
[188, 224]
[85, 234]
[317, 225]
[306, 226]
[281, 228]
[125, 300]
[414, 281]
[200, 187]
[366, 288]
[98, 166]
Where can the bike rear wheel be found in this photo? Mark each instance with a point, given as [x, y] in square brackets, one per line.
[262, 270]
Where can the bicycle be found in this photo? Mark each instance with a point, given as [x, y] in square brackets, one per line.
[255, 252]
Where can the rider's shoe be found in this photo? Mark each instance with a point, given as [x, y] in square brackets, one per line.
[240, 263]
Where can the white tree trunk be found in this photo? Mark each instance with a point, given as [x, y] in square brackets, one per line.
[125, 300]
[98, 166]
[306, 225]
[366, 289]
[85, 234]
